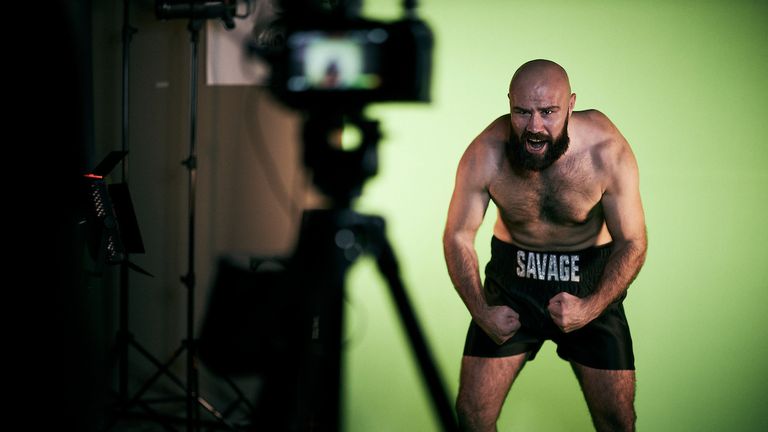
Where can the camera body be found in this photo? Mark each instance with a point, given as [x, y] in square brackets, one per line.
[349, 63]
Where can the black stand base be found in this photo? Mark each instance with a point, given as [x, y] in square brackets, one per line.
[139, 406]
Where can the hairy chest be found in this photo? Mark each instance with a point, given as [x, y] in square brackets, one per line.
[567, 196]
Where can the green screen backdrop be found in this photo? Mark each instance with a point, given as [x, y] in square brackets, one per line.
[687, 84]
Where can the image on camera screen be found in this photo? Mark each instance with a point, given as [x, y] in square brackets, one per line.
[333, 61]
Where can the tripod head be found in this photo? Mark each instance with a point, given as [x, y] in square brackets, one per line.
[340, 173]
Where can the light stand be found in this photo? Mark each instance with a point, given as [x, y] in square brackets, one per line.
[192, 397]
[193, 409]
[124, 336]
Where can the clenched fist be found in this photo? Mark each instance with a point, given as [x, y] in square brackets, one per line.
[499, 322]
[570, 312]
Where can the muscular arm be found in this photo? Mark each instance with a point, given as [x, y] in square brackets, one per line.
[626, 223]
[465, 214]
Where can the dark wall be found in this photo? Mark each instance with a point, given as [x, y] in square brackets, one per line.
[53, 144]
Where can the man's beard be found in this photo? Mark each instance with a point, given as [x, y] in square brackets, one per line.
[520, 158]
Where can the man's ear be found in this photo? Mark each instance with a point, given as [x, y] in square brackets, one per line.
[571, 103]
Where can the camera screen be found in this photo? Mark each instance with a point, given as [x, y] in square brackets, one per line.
[335, 61]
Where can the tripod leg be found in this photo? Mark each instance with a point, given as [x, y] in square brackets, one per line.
[389, 267]
[321, 266]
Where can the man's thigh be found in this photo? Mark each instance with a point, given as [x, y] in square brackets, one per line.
[610, 396]
[485, 381]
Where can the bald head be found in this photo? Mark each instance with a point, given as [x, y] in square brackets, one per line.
[540, 72]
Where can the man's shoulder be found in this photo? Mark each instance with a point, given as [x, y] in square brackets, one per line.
[601, 137]
[493, 138]
[498, 130]
[593, 123]
[486, 152]
[597, 131]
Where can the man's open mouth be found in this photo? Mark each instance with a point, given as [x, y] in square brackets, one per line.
[535, 145]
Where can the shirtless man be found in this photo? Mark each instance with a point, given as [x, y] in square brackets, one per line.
[568, 240]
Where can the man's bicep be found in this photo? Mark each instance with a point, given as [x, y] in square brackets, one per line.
[469, 201]
[622, 204]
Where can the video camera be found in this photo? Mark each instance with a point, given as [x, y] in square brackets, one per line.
[335, 59]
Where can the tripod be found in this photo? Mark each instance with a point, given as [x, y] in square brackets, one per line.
[192, 397]
[329, 242]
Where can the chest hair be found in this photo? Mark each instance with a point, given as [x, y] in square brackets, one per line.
[567, 193]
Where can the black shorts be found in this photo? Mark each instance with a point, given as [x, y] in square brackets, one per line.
[526, 280]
